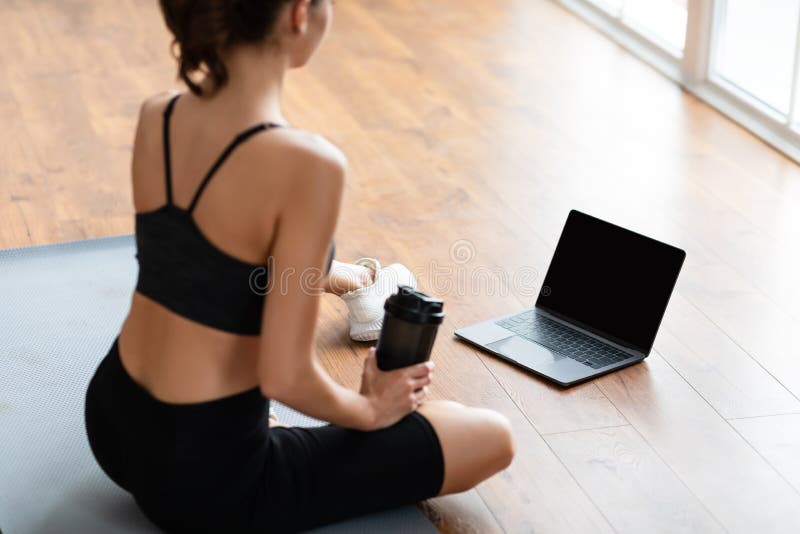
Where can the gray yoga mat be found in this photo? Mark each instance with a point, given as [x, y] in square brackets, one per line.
[60, 308]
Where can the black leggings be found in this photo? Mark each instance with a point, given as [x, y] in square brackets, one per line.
[217, 466]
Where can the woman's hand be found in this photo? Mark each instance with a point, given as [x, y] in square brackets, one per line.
[392, 395]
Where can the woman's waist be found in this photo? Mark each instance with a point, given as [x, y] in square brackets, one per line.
[181, 362]
[129, 395]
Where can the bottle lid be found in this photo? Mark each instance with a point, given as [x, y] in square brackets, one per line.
[415, 306]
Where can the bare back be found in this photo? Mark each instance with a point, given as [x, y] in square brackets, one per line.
[176, 359]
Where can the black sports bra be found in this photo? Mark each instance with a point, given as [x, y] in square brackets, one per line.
[183, 271]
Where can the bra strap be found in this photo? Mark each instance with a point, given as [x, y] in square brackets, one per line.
[241, 138]
[167, 161]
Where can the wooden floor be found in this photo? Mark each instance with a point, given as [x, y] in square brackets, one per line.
[472, 127]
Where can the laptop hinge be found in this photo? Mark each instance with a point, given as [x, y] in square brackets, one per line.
[623, 348]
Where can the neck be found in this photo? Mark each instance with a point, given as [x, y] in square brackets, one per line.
[255, 84]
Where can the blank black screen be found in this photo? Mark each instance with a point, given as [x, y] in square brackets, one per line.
[610, 280]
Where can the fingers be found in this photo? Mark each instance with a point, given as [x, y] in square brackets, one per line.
[371, 361]
[418, 397]
[420, 370]
[415, 377]
[417, 383]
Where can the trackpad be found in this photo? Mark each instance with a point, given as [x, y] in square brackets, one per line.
[525, 352]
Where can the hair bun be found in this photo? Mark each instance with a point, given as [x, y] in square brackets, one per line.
[249, 18]
[203, 29]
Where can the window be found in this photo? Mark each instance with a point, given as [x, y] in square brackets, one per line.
[740, 56]
[663, 20]
[612, 6]
[755, 48]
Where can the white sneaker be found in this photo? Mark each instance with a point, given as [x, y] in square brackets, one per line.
[365, 305]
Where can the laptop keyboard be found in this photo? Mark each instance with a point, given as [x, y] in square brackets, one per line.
[563, 340]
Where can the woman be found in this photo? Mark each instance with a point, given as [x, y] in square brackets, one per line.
[176, 413]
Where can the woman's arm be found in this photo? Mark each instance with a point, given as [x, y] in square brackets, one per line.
[288, 372]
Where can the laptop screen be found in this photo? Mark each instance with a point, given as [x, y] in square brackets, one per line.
[610, 281]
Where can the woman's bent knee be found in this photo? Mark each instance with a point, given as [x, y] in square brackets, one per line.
[489, 431]
[504, 446]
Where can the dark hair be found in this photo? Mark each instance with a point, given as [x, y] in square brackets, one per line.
[204, 29]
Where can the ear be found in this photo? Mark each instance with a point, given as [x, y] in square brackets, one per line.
[300, 16]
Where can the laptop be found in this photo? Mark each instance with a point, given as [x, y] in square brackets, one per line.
[598, 310]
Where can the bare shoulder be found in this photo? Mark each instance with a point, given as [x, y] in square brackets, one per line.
[309, 161]
[154, 105]
[312, 151]
[150, 120]
[147, 146]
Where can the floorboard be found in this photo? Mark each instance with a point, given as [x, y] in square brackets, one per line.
[777, 438]
[631, 483]
[472, 128]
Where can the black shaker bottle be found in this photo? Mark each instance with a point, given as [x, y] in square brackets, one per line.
[409, 328]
